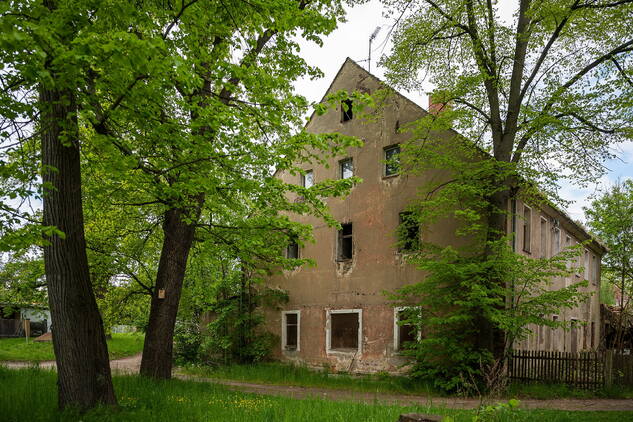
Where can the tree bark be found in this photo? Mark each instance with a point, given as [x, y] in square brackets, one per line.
[83, 368]
[158, 346]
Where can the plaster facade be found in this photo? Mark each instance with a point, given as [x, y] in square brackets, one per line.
[356, 286]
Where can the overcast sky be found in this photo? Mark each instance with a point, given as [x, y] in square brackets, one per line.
[351, 40]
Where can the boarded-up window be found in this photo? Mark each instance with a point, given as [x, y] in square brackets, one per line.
[345, 243]
[527, 228]
[291, 330]
[344, 331]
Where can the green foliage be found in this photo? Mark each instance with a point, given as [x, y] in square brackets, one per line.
[475, 282]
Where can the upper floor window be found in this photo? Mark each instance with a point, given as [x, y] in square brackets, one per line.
[555, 241]
[543, 238]
[345, 243]
[392, 160]
[346, 110]
[292, 250]
[527, 228]
[307, 179]
[408, 232]
[346, 168]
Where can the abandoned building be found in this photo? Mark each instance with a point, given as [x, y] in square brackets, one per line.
[338, 315]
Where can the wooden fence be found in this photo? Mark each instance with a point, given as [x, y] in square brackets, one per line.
[587, 370]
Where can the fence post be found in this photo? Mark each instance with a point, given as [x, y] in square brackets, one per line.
[608, 368]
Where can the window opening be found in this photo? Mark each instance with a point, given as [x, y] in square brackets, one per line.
[527, 228]
[392, 160]
[543, 238]
[291, 330]
[307, 179]
[346, 110]
[345, 243]
[346, 168]
[408, 232]
[406, 333]
[344, 331]
[292, 250]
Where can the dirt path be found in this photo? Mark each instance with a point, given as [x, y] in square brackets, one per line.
[131, 365]
[450, 402]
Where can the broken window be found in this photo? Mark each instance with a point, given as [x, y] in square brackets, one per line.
[392, 160]
[307, 179]
[346, 111]
[408, 232]
[346, 168]
[345, 243]
[344, 331]
[527, 228]
[405, 333]
[291, 330]
[292, 250]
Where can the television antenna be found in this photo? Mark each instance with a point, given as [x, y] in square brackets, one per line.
[371, 38]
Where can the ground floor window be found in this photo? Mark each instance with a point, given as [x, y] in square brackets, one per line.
[403, 333]
[343, 330]
[290, 330]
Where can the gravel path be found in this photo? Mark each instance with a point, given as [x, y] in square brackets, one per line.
[131, 365]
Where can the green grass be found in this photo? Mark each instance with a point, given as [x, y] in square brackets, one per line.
[286, 374]
[17, 349]
[30, 395]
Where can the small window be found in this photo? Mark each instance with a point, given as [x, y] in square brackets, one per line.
[543, 238]
[527, 228]
[587, 265]
[290, 330]
[345, 330]
[392, 160]
[346, 168]
[307, 179]
[292, 250]
[403, 333]
[346, 111]
[408, 232]
[345, 243]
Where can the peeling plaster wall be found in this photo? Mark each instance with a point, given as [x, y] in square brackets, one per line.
[373, 207]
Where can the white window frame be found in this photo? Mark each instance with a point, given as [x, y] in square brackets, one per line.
[328, 331]
[396, 327]
[284, 339]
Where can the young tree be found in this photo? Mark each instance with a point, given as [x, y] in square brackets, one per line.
[610, 216]
[546, 92]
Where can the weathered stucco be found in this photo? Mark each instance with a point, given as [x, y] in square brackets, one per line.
[373, 208]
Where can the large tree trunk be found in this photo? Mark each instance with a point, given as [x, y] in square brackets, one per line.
[83, 368]
[158, 346]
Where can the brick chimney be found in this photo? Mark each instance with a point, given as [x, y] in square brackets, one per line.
[436, 107]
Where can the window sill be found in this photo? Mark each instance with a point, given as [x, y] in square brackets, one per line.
[391, 176]
[344, 352]
[343, 260]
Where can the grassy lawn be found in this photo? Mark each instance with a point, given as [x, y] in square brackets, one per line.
[17, 349]
[30, 395]
[286, 374]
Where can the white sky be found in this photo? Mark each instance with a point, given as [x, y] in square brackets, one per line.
[351, 40]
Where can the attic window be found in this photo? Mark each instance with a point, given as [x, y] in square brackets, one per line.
[346, 110]
[345, 243]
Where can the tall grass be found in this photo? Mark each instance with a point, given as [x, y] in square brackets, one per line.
[30, 395]
[287, 374]
[18, 349]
